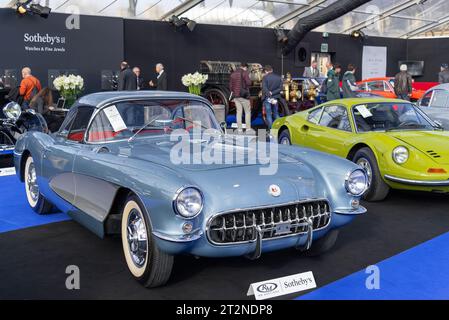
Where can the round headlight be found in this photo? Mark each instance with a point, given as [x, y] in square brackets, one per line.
[188, 202]
[400, 155]
[12, 111]
[357, 182]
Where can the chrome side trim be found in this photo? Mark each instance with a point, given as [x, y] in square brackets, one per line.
[424, 183]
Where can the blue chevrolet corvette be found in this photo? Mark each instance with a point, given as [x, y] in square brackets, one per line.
[112, 167]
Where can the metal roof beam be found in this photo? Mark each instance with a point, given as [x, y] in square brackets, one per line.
[387, 13]
[426, 28]
[290, 16]
[182, 8]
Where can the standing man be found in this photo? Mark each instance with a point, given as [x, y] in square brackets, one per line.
[333, 81]
[140, 81]
[161, 81]
[127, 80]
[29, 87]
[443, 77]
[312, 71]
[349, 82]
[239, 84]
[403, 84]
[271, 93]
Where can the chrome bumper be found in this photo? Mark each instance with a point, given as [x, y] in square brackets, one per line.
[421, 183]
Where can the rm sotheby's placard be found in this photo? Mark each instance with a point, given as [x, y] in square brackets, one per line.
[7, 171]
[281, 286]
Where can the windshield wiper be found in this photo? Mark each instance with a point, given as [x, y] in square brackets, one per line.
[144, 126]
[193, 122]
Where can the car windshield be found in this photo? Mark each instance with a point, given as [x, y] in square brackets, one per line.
[132, 119]
[388, 117]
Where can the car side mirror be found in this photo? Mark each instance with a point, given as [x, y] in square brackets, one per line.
[224, 127]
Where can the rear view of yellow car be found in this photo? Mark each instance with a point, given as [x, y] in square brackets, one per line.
[396, 143]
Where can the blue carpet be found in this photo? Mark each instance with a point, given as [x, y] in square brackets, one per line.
[256, 122]
[15, 212]
[418, 273]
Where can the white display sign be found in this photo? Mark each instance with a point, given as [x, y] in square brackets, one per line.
[282, 286]
[374, 62]
[7, 171]
[115, 118]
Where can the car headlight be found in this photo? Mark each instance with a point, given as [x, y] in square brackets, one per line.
[12, 111]
[357, 182]
[188, 202]
[400, 155]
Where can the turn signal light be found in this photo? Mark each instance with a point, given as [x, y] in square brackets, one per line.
[436, 170]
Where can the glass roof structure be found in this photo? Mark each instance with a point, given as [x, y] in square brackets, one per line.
[386, 18]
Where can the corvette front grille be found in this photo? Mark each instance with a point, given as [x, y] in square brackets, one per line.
[273, 222]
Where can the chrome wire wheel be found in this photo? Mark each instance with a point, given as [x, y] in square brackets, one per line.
[137, 238]
[365, 164]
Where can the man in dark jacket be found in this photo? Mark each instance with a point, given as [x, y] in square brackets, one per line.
[161, 81]
[127, 80]
[333, 81]
[403, 84]
[349, 82]
[239, 84]
[271, 93]
[140, 81]
[443, 77]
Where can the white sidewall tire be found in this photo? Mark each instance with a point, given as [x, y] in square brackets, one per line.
[31, 202]
[136, 271]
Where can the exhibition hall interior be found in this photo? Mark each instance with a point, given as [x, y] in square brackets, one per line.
[224, 150]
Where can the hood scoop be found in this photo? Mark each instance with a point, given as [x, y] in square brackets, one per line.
[433, 154]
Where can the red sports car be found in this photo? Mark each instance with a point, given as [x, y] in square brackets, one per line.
[384, 87]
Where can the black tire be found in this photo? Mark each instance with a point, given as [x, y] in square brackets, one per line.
[35, 199]
[155, 269]
[217, 96]
[284, 110]
[378, 189]
[323, 244]
[284, 138]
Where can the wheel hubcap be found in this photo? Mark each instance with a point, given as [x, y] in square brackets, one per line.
[137, 238]
[364, 163]
[285, 141]
[33, 188]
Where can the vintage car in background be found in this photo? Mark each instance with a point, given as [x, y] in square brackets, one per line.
[394, 141]
[384, 87]
[217, 91]
[435, 103]
[111, 168]
[13, 123]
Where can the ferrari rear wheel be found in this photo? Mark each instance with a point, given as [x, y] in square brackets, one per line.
[378, 189]
[35, 199]
[146, 262]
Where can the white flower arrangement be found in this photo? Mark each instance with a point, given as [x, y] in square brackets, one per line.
[194, 81]
[69, 87]
[70, 82]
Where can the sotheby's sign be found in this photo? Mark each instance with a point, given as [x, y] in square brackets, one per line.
[282, 286]
[45, 43]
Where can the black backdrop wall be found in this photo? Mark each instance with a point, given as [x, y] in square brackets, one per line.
[101, 43]
[48, 46]
[149, 42]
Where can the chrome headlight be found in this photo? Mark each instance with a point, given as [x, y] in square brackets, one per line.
[357, 182]
[400, 155]
[188, 202]
[12, 111]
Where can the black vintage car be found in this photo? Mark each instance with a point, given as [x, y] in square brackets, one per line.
[216, 89]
